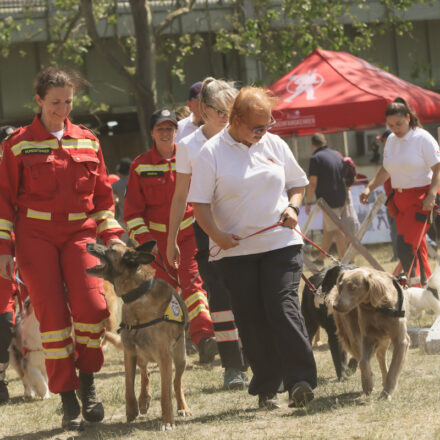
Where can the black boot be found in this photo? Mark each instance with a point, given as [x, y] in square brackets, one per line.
[71, 412]
[92, 409]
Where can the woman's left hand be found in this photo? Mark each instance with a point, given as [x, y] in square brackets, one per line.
[115, 241]
[428, 202]
[289, 218]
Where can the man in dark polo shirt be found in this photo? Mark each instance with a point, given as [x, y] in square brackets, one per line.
[325, 177]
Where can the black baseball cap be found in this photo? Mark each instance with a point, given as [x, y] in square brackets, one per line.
[384, 135]
[162, 116]
[194, 91]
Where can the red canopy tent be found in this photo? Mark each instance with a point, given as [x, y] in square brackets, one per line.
[335, 91]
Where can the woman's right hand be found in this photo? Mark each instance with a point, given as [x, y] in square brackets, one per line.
[6, 266]
[364, 196]
[226, 241]
[173, 254]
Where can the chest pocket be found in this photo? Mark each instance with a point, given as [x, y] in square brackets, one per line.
[154, 187]
[39, 174]
[85, 172]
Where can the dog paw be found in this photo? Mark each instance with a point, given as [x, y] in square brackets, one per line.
[384, 395]
[131, 416]
[168, 427]
[184, 412]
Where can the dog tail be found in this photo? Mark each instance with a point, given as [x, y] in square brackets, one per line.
[114, 339]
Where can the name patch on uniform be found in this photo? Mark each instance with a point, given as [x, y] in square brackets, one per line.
[37, 151]
[151, 173]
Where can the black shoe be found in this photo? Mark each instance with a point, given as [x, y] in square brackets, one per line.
[207, 350]
[71, 412]
[4, 394]
[92, 409]
[300, 395]
[268, 401]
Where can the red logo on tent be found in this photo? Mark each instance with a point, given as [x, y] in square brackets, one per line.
[306, 83]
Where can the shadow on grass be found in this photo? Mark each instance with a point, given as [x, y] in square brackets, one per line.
[329, 403]
[122, 429]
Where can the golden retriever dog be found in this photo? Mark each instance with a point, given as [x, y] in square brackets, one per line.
[369, 311]
[153, 325]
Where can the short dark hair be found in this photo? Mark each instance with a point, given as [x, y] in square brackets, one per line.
[123, 167]
[55, 76]
[318, 140]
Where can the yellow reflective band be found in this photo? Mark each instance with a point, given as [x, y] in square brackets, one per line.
[186, 223]
[31, 213]
[225, 316]
[226, 335]
[29, 145]
[5, 235]
[58, 353]
[108, 224]
[6, 225]
[140, 230]
[149, 167]
[92, 328]
[77, 216]
[173, 166]
[158, 226]
[196, 296]
[195, 312]
[89, 342]
[102, 215]
[138, 221]
[56, 335]
[80, 143]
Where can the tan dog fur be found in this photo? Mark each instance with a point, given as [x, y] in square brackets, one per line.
[163, 343]
[363, 330]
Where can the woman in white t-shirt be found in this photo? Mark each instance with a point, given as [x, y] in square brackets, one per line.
[216, 97]
[412, 161]
[244, 182]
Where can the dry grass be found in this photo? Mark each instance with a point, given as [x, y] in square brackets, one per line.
[339, 410]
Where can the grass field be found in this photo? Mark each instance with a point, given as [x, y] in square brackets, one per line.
[339, 410]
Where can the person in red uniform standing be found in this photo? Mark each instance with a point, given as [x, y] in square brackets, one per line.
[150, 190]
[55, 194]
[6, 306]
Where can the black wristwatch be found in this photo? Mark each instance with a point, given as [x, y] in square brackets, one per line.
[294, 207]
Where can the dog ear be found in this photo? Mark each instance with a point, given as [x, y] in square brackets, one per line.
[136, 258]
[146, 247]
[379, 289]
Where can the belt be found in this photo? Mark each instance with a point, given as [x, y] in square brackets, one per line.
[160, 227]
[54, 216]
[414, 189]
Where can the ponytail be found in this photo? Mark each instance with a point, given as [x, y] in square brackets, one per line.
[400, 107]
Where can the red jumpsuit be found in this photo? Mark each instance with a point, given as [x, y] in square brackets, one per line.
[147, 206]
[57, 197]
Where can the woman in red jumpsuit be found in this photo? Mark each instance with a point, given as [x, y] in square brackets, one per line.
[147, 204]
[6, 308]
[54, 193]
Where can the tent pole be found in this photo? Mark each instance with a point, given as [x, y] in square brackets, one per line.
[293, 144]
[344, 134]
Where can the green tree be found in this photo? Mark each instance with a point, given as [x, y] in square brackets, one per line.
[279, 34]
[73, 26]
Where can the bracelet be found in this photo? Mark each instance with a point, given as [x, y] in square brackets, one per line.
[294, 207]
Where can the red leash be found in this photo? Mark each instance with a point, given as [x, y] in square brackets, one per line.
[422, 234]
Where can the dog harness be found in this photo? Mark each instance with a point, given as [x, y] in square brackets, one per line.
[400, 311]
[173, 313]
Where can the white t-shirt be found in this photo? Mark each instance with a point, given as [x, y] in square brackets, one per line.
[408, 160]
[187, 150]
[185, 127]
[58, 134]
[247, 189]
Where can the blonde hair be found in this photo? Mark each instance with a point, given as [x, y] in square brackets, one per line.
[217, 92]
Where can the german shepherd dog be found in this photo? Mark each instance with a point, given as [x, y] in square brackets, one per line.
[153, 325]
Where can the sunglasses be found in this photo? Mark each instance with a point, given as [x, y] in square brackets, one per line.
[259, 130]
[220, 113]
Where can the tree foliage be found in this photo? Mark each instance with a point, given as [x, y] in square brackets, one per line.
[279, 34]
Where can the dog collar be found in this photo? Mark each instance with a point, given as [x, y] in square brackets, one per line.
[400, 311]
[134, 294]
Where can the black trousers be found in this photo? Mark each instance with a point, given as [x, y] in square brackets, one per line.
[6, 327]
[225, 329]
[264, 294]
